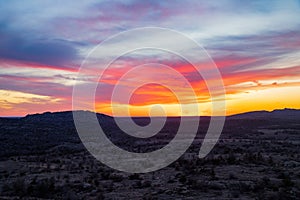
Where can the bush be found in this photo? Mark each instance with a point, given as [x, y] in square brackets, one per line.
[18, 188]
[182, 179]
[134, 177]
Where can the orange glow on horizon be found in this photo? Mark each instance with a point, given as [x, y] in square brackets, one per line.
[260, 89]
[264, 99]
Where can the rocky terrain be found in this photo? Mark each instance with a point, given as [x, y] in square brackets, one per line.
[257, 157]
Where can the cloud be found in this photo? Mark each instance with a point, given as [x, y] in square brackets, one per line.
[18, 46]
[36, 85]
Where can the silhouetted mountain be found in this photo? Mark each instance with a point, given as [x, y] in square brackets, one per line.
[282, 114]
[60, 116]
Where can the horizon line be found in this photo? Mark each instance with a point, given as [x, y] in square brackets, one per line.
[148, 116]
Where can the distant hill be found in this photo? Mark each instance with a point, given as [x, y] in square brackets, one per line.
[283, 114]
[59, 116]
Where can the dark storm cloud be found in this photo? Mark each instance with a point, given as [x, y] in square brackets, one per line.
[25, 46]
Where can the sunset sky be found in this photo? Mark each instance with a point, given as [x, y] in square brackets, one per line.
[255, 45]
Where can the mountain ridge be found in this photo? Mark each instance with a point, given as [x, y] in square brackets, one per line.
[285, 113]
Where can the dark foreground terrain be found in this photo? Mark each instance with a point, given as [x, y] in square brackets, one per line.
[257, 157]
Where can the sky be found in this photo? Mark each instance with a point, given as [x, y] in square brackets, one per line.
[254, 44]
